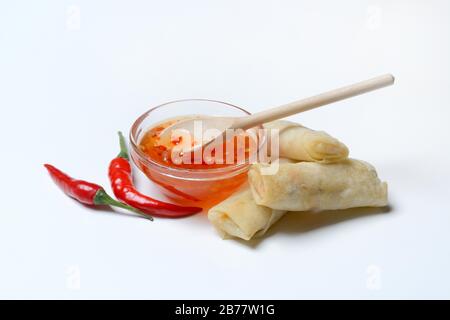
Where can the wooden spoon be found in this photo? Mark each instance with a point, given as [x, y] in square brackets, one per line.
[222, 124]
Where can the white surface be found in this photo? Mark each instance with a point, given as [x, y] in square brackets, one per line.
[66, 88]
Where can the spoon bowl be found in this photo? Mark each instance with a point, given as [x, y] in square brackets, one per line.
[197, 132]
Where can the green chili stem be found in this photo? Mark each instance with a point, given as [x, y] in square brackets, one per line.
[123, 147]
[102, 198]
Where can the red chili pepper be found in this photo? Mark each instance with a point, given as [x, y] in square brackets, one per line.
[123, 188]
[85, 192]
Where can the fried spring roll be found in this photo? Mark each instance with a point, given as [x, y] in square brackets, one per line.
[303, 144]
[239, 216]
[315, 186]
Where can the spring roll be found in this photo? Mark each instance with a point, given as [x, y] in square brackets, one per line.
[303, 144]
[239, 216]
[315, 186]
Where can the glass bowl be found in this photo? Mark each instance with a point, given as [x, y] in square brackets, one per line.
[193, 187]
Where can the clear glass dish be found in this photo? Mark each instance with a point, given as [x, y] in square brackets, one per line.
[197, 187]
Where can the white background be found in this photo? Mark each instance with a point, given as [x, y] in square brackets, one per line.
[72, 73]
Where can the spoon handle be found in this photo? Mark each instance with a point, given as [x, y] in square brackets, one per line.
[313, 102]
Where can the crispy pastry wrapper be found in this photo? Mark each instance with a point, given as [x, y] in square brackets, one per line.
[307, 186]
[303, 144]
[239, 216]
